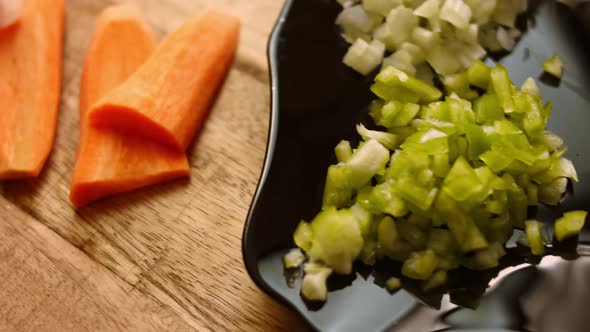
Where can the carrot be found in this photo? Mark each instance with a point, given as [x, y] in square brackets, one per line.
[109, 161]
[169, 96]
[30, 83]
[9, 12]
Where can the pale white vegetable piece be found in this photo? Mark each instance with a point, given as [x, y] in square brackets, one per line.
[456, 12]
[365, 57]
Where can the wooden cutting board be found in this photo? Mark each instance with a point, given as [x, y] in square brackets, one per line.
[163, 258]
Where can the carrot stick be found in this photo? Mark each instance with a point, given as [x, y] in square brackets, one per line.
[109, 161]
[30, 83]
[169, 96]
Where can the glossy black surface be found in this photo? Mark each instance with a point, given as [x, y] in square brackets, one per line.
[317, 101]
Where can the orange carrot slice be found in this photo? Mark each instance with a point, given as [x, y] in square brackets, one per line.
[169, 96]
[111, 162]
[9, 12]
[30, 83]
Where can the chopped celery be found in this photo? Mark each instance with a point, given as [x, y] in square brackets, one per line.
[442, 242]
[535, 236]
[366, 162]
[477, 140]
[430, 141]
[303, 236]
[337, 239]
[384, 198]
[364, 57]
[412, 234]
[554, 66]
[293, 259]
[551, 193]
[457, 177]
[462, 183]
[409, 111]
[387, 234]
[530, 86]
[570, 224]
[456, 12]
[502, 87]
[398, 93]
[393, 284]
[438, 279]
[343, 151]
[487, 258]
[560, 168]
[395, 77]
[420, 265]
[386, 139]
[479, 74]
[314, 287]
[487, 109]
[337, 190]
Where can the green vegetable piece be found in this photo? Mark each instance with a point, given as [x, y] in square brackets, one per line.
[408, 113]
[487, 258]
[395, 77]
[560, 168]
[438, 279]
[479, 74]
[442, 242]
[387, 233]
[530, 86]
[570, 224]
[533, 122]
[441, 165]
[386, 139]
[375, 109]
[502, 87]
[535, 236]
[478, 142]
[343, 151]
[551, 193]
[431, 142]
[416, 195]
[420, 265]
[303, 236]
[385, 198]
[367, 161]
[337, 190]
[462, 183]
[314, 287]
[389, 112]
[399, 93]
[392, 284]
[466, 233]
[412, 234]
[293, 259]
[488, 109]
[337, 240]
[554, 66]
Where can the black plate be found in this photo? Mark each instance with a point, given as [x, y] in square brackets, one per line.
[317, 101]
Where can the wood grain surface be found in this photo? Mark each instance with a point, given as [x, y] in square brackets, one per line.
[163, 258]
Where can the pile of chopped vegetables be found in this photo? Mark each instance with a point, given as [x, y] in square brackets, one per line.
[442, 184]
[417, 35]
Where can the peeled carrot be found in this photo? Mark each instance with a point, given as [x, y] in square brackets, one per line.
[30, 83]
[9, 12]
[169, 96]
[109, 161]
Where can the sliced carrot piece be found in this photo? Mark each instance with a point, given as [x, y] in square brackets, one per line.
[30, 83]
[9, 12]
[169, 96]
[109, 161]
